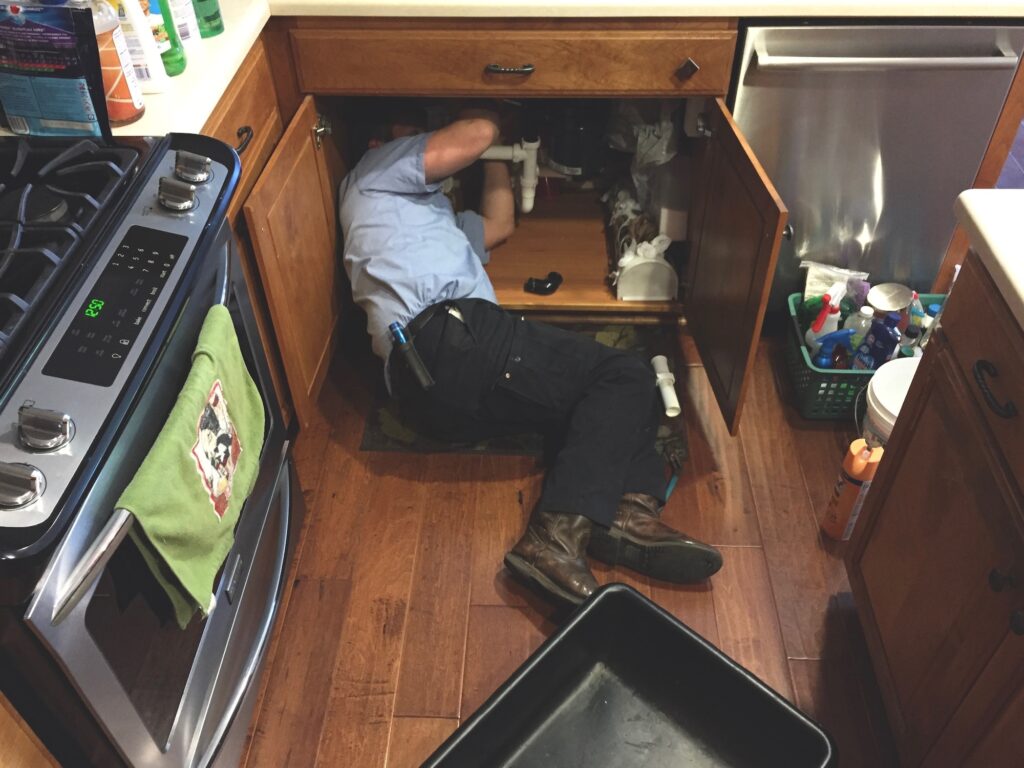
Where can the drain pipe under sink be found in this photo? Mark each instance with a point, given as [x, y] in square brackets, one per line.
[524, 152]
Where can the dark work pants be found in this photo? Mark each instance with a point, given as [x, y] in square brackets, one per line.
[497, 374]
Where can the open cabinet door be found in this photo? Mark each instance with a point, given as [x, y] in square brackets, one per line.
[291, 214]
[735, 231]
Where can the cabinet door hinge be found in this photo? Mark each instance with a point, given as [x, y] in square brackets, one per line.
[321, 129]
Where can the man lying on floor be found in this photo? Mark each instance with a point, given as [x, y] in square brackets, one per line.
[412, 260]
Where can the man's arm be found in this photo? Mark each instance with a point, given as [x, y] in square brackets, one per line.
[497, 205]
[452, 148]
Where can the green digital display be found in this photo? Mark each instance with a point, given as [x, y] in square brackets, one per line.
[94, 308]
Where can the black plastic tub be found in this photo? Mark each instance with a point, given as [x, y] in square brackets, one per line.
[625, 684]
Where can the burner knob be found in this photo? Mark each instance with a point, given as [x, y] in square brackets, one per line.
[20, 484]
[176, 195]
[44, 430]
[190, 167]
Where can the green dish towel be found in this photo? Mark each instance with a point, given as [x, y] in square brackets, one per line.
[187, 495]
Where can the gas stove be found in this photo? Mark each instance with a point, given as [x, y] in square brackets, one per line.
[51, 195]
[97, 237]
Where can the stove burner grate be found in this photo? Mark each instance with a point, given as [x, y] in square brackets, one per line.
[50, 196]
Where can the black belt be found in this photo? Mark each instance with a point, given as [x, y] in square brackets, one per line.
[419, 322]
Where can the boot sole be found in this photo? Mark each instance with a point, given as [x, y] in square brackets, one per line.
[680, 562]
[535, 578]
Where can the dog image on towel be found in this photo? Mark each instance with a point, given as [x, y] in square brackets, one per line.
[216, 449]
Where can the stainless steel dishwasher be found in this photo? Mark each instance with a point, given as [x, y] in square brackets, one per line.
[869, 134]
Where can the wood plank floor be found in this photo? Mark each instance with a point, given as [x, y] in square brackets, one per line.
[402, 621]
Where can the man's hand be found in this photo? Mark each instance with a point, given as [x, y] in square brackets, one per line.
[458, 145]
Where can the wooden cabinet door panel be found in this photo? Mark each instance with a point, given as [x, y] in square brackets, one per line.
[250, 102]
[735, 229]
[562, 62]
[986, 339]
[940, 519]
[292, 222]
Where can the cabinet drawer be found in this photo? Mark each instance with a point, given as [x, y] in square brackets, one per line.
[250, 103]
[988, 344]
[564, 62]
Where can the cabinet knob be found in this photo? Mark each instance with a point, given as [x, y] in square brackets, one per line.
[999, 581]
[687, 69]
[1017, 622]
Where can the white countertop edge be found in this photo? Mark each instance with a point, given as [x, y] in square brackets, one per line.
[650, 8]
[193, 95]
[994, 221]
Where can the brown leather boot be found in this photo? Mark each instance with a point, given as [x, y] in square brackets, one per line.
[551, 554]
[639, 540]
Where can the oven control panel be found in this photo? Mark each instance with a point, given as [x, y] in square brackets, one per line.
[81, 368]
[108, 321]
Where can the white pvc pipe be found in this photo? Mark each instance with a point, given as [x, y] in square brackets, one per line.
[525, 153]
[666, 385]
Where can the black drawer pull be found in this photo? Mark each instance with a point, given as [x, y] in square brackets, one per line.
[245, 133]
[999, 581]
[1017, 622]
[497, 69]
[687, 69]
[984, 368]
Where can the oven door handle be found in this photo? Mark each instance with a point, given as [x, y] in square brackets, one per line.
[92, 563]
[224, 276]
[263, 636]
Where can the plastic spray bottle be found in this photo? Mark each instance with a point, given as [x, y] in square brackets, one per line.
[827, 320]
[162, 23]
[829, 342]
[851, 489]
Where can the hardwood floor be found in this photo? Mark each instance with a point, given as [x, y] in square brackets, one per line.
[402, 621]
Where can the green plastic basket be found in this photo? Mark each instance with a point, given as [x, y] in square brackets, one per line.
[824, 393]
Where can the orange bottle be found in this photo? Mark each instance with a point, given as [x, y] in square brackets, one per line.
[122, 91]
[851, 488]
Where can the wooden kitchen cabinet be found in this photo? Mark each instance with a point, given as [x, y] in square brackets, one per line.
[937, 559]
[521, 58]
[736, 221]
[292, 217]
[247, 118]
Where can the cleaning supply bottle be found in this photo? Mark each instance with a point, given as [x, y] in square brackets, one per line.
[185, 23]
[827, 320]
[879, 344]
[121, 89]
[211, 23]
[149, 68]
[916, 311]
[166, 36]
[859, 467]
[860, 322]
[909, 341]
[828, 343]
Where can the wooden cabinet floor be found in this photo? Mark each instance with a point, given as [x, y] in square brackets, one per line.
[402, 621]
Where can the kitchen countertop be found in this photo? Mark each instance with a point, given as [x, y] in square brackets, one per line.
[649, 8]
[992, 219]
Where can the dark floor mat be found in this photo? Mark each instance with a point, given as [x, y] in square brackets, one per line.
[387, 432]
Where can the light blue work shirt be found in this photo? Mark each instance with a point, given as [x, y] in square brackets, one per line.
[405, 249]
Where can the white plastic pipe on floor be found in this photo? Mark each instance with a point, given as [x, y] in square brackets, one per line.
[526, 153]
[666, 385]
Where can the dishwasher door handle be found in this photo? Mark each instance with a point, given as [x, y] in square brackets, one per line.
[765, 61]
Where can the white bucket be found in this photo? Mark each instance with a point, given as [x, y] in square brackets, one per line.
[886, 392]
